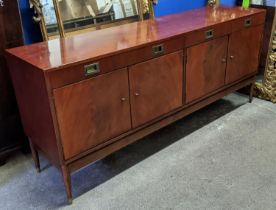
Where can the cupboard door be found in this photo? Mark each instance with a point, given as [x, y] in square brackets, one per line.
[156, 87]
[92, 111]
[243, 53]
[205, 68]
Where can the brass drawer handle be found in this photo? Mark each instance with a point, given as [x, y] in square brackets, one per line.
[91, 69]
[123, 99]
[158, 50]
[247, 22]
[209, 34]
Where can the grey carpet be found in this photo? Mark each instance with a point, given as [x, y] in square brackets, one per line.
[221, 157]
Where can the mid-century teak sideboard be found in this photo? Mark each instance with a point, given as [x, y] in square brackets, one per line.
[82, 98]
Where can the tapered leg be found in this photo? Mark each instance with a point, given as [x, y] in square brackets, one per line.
[251, 92]
[35, 156]
[67, 183]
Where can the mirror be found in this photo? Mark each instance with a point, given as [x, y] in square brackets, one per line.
[264, 3]
[68, 17]
[49, 15]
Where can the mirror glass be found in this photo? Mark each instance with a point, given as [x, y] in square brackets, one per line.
[271, 3]
[93, 14]
[48, 11]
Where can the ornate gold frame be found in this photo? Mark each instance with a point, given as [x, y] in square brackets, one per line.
[143, 7]
[267, 89]
[213, 2]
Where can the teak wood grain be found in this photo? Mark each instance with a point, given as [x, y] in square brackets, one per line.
[130, 137]
[76, 119]
[244, 53]
[33, 101]
[92, 111]
[156, 87]
[74, 74]
[205, 68]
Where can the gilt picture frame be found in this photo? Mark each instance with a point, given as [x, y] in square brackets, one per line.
[267, 88]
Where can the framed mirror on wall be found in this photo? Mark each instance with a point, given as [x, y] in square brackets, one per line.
[60, 18]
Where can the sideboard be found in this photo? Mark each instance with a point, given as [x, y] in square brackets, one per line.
[84, 97]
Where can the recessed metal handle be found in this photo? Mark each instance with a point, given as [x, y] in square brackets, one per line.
[209, 34]
[158, 50]
[247, 22]
[91, 69]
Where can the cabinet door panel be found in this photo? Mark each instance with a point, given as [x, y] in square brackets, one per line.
[205, 68]
[243, 53]
[92, 111]
[156, 87]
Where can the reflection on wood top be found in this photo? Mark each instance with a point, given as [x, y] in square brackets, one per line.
[94, 45]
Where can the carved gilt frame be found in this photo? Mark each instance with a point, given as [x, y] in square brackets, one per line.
[267, 88]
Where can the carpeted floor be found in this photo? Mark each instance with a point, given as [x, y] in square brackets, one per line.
[221, 157]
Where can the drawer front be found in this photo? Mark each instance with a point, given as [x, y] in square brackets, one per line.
[62, 77]
[92, 111]
[206, 34]
[247, 22]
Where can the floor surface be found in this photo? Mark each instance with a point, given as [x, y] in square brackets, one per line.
[221, 157]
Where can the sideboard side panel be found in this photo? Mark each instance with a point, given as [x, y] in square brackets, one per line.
[32, 97]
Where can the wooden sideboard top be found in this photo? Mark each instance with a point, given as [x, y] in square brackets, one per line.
[94, 45]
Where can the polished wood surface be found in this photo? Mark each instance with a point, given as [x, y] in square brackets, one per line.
[205, 68]
[132, 136]
[33, 101]
[92, 111]
[200, 35]
[243, 53]
[104, 43]
[11, 131]
[76, 118]
[74, 74]
[156, 87]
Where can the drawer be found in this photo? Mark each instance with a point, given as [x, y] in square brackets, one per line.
[249, 21]
[206, 34]
[68, 75]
